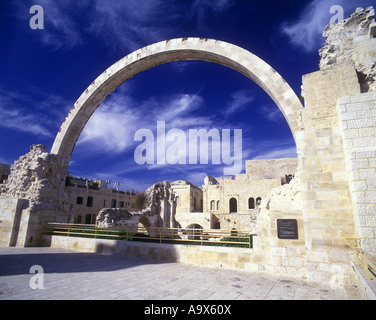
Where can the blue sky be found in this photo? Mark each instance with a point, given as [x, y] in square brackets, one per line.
[43, 72]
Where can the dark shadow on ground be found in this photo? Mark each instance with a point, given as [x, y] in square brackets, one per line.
[16, 261]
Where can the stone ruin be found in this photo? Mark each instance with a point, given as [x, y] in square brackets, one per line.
[33, 177]
[112, 217]
[348, 41]
[287, 197]
[157, 198]
[157, 204]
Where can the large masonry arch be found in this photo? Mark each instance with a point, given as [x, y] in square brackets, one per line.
[330, 198]
[168, 51]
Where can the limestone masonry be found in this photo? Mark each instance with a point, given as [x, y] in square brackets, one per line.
[327, 193]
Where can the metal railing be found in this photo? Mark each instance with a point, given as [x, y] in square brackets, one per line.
[213, 237]
[361, 259]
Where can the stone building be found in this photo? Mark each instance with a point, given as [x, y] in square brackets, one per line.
[84, 198]
[231, 201]
[188, 197]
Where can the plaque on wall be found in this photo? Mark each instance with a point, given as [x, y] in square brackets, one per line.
[287, 228]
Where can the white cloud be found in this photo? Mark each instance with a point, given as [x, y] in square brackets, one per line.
[306, 31]
[196, 178]
[132, 24]
[128, 25]
[175, 109]
[284, 152]
[42, 119]
[239, 100]
[114, 123]
[272, 113]
[19, 120]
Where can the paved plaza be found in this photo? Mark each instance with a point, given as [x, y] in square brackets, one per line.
[73, 275]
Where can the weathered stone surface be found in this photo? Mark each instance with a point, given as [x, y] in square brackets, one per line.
[112, 216]
[284, 198]
[209, 180]
[351, 40]
[33, 177]
[159, 200]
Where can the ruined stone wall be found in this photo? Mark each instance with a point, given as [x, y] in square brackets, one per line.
[35, 176]
[353, 41]
[358, 119]
[272, 168]
[160, 202]
[284, 256]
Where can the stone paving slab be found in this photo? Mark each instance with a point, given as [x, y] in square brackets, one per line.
[70, 275]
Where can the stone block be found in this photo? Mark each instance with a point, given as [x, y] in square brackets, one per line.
[370, 197]
[367, 233]
[367, 174]
[360, 186]
[366, 154]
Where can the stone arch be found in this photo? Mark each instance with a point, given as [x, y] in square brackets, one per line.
[194, 226]
[162, 52]
[143, 225]
[196, 232]
[144, 221]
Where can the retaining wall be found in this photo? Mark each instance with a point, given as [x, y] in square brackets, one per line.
[209, 256]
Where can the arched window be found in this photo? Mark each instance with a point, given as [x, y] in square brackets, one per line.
[258, 201]
[212, 205]
[233, 205]
[196, 232]
[218, 205]
[251, 203]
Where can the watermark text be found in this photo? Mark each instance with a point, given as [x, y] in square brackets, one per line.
[179, 147]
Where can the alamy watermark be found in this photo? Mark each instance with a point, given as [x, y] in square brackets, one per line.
[339, 13]
[37, 20]
[37, 280]
[179, 147]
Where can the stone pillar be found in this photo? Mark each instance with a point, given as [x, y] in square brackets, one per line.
[358, 120]
[326, 201]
